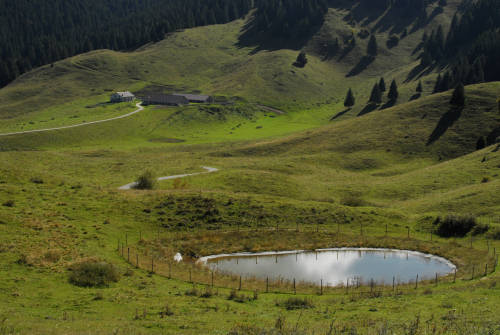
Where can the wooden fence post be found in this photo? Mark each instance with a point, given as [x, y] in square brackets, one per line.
[416, 282]
[212, 279]
[152, 264]
[239, 287]
[294, 288]
[321, 287]
[455, 276]
[393, 283]
[436, 279]
[128, 254]
[267, 284]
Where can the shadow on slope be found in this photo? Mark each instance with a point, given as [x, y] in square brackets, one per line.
[446, 121]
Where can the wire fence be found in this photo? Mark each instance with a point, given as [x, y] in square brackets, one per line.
[199, 274]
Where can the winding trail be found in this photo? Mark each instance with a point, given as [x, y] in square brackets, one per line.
[139, 109]
[209, 170]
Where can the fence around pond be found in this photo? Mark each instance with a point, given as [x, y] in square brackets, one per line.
[199, 274]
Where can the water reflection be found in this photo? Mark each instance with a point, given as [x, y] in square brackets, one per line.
[335, 266]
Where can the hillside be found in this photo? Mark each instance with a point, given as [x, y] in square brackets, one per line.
[225, 67]
[294, 170]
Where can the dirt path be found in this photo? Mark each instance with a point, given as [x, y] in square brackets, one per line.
[139, 109]
[209, 170]
[271, 109]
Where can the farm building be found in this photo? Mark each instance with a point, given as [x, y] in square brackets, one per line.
[122, 97]
[196, 97]
[165, 99]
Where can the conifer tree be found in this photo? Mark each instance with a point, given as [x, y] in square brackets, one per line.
[437, 85]
[349, 99]
[376, 95]
[301, 59]
[393, 92]
[419, 87]
[481, 143]
[458, 96]
[372, 46]
[381, 84]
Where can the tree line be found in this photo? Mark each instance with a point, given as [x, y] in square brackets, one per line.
[34, 33]
[471, 46]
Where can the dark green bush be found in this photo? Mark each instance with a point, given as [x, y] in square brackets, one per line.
[297, 303]
[9, 203]
[146, 181]
[92, 273]
[454, 226]
[494, 234]
[480, 229]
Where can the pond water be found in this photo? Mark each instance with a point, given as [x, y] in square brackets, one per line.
[334, 266]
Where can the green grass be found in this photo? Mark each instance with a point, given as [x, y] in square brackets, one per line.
[299, 168]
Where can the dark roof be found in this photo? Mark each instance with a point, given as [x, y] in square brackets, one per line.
[166, 99]
[194, 97]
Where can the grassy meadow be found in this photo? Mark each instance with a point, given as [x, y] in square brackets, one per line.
[340, 177]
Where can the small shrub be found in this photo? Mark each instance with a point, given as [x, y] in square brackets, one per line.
[36, 180]
[480, 229]
[193, 292]
[146, 181]
[166, 312]
[9, 203]
[352, 201]
[207, 293]
[234, 296]
[495, 234]
[23, 260]
[91, 273]
[454, 226]
[392, 41]
[485, 180]
[297, 303]
[52, 256]
[98, 296]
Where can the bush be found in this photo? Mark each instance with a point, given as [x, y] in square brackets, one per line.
[92, 273]
[392, 41]
[494, 234]
[480, 229]
[36, 180]
[454, 226]
[9, 203]
[297, 303]
[146, 181]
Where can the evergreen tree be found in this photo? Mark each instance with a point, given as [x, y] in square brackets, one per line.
[301, 60]
[372, 46]
[437, 85]
[481, 143]
[381, 84]
[419, 87]
[458, 97]
[393, 92]
[349, 99]
[376, 95]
